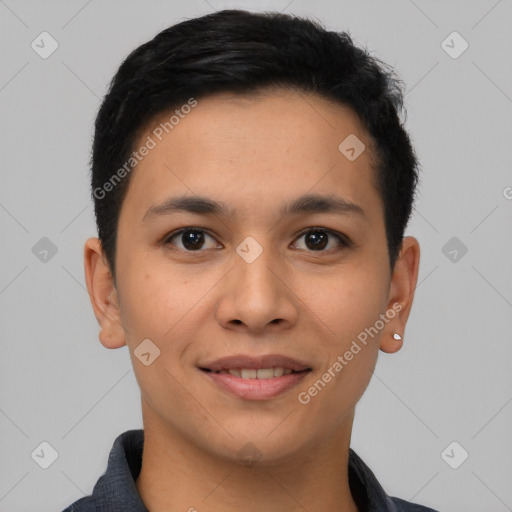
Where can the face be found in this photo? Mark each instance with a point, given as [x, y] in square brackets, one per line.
[275, 273]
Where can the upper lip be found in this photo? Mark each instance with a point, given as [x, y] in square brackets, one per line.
[255, 362]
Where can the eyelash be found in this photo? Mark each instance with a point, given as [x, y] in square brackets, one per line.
[343, 240]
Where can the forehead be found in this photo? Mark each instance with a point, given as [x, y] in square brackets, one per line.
[265, 145]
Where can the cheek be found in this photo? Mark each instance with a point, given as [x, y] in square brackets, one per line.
[160, 303]
[152, 302]
[347, 369]
[154, 307]
[353, 310]
[346, 307]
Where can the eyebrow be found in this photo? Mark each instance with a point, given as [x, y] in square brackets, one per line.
[308, 203]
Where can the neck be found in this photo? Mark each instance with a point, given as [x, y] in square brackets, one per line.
[178, 476]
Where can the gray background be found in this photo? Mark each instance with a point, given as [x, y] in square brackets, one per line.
[452, 379]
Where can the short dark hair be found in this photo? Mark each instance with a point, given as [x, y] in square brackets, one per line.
[242, 52]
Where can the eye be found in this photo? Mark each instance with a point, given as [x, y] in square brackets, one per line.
[191, 239]
[317, 239]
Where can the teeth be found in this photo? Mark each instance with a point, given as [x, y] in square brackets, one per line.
[248, 374]
[261, 373]
[265, 373]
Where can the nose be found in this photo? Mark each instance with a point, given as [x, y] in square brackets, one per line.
[257, 296]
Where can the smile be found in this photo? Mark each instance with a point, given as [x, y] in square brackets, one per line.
[255, 378]
[260, 373]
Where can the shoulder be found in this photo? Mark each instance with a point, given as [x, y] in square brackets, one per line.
[370, 495]
[406, 506]
[116, 489]
[86, 504]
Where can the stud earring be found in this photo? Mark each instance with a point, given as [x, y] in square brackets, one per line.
[397, 336]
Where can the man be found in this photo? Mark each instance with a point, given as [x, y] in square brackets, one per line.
[252, 183]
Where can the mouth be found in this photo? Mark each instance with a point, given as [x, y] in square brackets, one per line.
[256, 378]
[257, 373]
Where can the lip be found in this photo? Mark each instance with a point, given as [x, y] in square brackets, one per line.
[255, 389]
[254, 362]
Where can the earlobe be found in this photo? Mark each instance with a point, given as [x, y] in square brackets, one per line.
[391, 344]
[401, 294]
[103, 295]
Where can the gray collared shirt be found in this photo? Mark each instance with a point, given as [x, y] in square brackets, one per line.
[115, 491]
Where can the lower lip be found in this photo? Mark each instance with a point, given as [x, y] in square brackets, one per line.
[256, 389]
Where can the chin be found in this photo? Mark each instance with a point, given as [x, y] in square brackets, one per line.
[259, 448]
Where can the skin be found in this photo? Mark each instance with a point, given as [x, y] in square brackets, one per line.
[254, 154]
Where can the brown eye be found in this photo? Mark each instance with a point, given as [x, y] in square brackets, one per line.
[190, 239]
[319, 239]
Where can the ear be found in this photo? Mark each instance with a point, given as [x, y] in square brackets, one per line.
[103, 295]
[401, 293]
